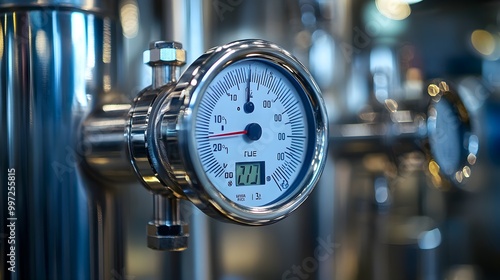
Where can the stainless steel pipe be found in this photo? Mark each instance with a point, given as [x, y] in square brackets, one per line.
[57, 62]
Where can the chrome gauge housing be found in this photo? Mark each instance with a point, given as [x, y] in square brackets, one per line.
[250, 127]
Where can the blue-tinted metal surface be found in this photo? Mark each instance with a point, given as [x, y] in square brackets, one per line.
[54, 66]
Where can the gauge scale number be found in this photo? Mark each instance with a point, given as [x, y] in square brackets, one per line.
[251, 132]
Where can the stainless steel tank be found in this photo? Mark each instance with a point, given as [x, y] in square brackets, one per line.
[58, 60]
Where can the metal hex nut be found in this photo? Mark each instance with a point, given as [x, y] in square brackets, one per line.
[161, 229]
[165, 53]
[168, 243]
[168, 237]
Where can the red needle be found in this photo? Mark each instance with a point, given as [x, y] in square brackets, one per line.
[228, 134]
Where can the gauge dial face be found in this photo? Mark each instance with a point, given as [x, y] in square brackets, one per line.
[252, 134]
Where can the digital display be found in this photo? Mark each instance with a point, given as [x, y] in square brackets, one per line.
[250, 173]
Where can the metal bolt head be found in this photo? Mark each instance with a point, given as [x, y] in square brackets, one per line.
[168, 237]
[165, 53]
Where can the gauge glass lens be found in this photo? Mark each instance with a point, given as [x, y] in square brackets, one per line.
[445, 137]
[252, 134]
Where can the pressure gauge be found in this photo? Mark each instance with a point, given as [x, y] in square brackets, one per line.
[250, 128]
[452, 144]
[242, 134]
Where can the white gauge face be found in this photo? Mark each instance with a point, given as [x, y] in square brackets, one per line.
[252, 135]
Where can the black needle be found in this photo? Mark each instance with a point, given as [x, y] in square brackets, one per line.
[248, 107]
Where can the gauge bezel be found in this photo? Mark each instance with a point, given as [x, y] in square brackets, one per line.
[194, 83]
[468, 151]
